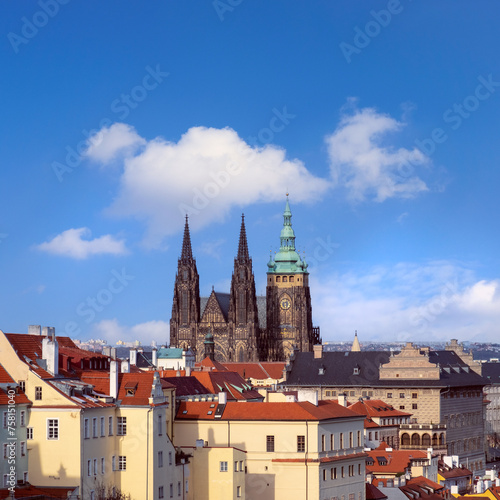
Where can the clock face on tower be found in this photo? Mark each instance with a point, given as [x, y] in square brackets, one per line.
[285, 303]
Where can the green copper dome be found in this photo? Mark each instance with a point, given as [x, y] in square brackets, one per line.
[287, 260]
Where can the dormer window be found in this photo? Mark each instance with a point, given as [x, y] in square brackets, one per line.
[130, 388]
[356, 370]
[321, 370]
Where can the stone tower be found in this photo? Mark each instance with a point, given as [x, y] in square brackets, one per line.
[288, 299]
[243, 315]
[186, 304]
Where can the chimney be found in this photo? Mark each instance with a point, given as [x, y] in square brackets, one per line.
[34, 330]
[125, 366]
[113, 353]
[454, 489]
[50, 351]
[188, 371]
[222, 398]
[106, 351]
[133, 356]
[318, 351]
[154, 357]
[113, 378]
[342, 399]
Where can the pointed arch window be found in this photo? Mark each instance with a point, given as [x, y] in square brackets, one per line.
[242, 307]
[184, 307]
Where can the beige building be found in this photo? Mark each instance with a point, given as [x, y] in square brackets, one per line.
[90, 425]
[442, 392]
[293, 449]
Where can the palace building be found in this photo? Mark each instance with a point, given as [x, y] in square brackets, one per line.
[239, 325]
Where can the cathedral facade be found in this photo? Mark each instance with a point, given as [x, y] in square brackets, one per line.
[239, 325]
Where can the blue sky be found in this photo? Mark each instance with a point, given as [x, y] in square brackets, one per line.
[380, 119]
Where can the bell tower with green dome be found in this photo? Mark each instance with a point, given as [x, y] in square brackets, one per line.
[288, 299]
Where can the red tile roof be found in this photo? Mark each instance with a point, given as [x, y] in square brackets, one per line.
[208, 364]
[5, 378]
[257, 371]
[395, 460]
[376, 408]
[298, 411]
[38, 492]
[19, 397]
[231, 382]
[373, 493]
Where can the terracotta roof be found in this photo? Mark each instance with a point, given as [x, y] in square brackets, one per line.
[142, 391]
[19, 398]
[298, 411]
[449, 473]
[392, 462]
[373, 493]
[186, 386]
[208, 364]
[421, 487]
[377, 408]
[258, 371]
[232, 383]
[5, 378]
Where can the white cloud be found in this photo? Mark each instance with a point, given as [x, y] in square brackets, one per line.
[432, 302]
[364, 166]
[111, 331]
[206, 173]
[70, 243]
[110, 142]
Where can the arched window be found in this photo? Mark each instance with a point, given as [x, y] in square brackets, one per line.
[241, 355]
[434, 439]
[405, 439]
[426, 439]
[415, 440]
[441, 438]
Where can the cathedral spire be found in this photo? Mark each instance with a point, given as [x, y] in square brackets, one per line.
[243, 245]
[187, 253]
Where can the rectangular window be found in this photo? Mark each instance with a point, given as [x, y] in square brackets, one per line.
[351, 440]
[236, 466]
[5, 420]
[328, 394]
[323, 444]
[122, 462]
[389, 395]
[401, 407]
[402, 395]
[324, 474]
[22, 385]
[52, 428]
[86, 432]
[25, 477]
[110, 426]
[113, 463]
[22, 418]
[29, 433]
[342, 472]
[223, 466]
[238, 491]
[160, 459]
[241, 465]
[414, 395]
[95, 466]
[23, 448]
[301, 444]
[332, 442]
[94, 427]
[5, 450]
[179, 488]
[160, 426]
[341, 441]
[171, 490]
[121, 426]
[89, 468]
[333, 473]
[270, 443]
[103, 466]
[160, 492]
[414, 406]
[359, 438]
[359, 469]
[38, 393]
[169, 458]
[103, 427]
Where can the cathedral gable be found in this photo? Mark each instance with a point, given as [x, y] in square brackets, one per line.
[216, 309]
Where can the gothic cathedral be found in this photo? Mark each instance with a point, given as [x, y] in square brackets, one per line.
[241, 325]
